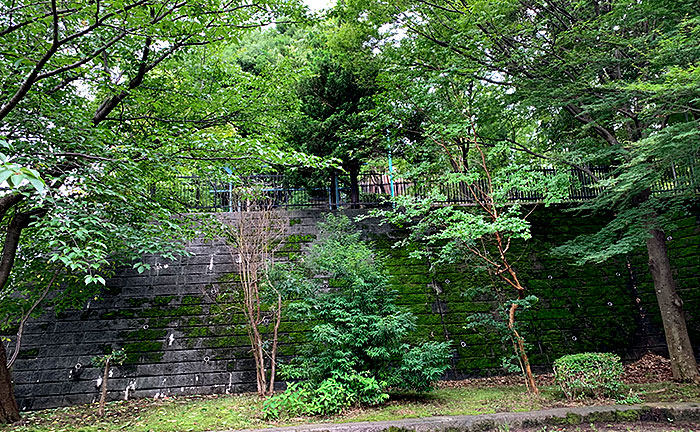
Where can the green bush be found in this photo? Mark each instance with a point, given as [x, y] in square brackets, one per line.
[328, 397]
[358, 346]
[291, 402]
[596, 375]
[421, 366]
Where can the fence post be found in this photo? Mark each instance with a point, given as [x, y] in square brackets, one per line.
[333, 195]
[230, 197]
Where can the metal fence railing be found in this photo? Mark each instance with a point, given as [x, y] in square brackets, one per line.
[204, 194]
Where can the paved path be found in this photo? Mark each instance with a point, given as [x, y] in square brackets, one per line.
[685, 412]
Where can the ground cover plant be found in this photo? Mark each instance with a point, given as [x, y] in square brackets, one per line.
[589, 374]
[230, 412]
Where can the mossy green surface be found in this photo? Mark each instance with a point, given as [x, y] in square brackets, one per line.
[581, 308]
[28, 353]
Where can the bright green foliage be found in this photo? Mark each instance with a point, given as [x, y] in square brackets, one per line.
[589, 374]
[420, 367]
[17, 175]
[480, 235]
[333, 82]
[331, 396]
[357, 348]
[114, 358]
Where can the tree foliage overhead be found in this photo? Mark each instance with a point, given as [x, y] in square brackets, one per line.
[606, 83]
[102, 107]
[601, 83]
[102, 103]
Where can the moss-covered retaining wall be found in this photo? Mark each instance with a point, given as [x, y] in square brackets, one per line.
[178, 344]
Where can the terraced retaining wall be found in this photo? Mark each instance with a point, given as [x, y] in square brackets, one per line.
[178, 343]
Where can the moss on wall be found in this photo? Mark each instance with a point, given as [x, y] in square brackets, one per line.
[581, 308]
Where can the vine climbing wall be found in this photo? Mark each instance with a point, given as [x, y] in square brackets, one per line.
[179, 342]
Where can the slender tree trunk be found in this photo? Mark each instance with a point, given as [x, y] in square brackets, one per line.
[683, 362]
[259, 360]
[519, 343]
[9, 411]
[519, 346]
[27, 315]
[9, 249]
[103, 394]
[273, 355]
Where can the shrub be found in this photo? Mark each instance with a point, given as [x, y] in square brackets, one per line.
[421, 366]
[358, 347]
[330, 396]
[291, 402]
[589, 374]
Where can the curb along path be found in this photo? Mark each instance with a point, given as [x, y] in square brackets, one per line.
[662, 413]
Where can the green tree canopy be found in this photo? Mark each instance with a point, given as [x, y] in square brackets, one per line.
[605, 83]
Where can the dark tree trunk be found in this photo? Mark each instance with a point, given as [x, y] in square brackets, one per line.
[9, 411]
[9, 249]
[680, 350]
[354, 171]
[333, 190]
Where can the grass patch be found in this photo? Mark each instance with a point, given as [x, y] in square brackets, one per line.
[205, 413]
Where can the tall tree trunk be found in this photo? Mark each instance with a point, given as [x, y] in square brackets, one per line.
[519, 348]
[683, 362]
[333, 190]
[9, 411]
[354, 171]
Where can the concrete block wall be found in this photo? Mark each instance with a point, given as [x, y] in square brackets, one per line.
[178, 341]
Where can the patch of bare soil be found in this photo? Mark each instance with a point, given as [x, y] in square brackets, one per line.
[651, 368]
[497, 381]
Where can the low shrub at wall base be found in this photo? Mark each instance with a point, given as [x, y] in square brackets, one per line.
[595, 375]
[357, 350]
[329, 397]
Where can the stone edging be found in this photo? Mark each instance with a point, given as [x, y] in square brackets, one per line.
[666, 413]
